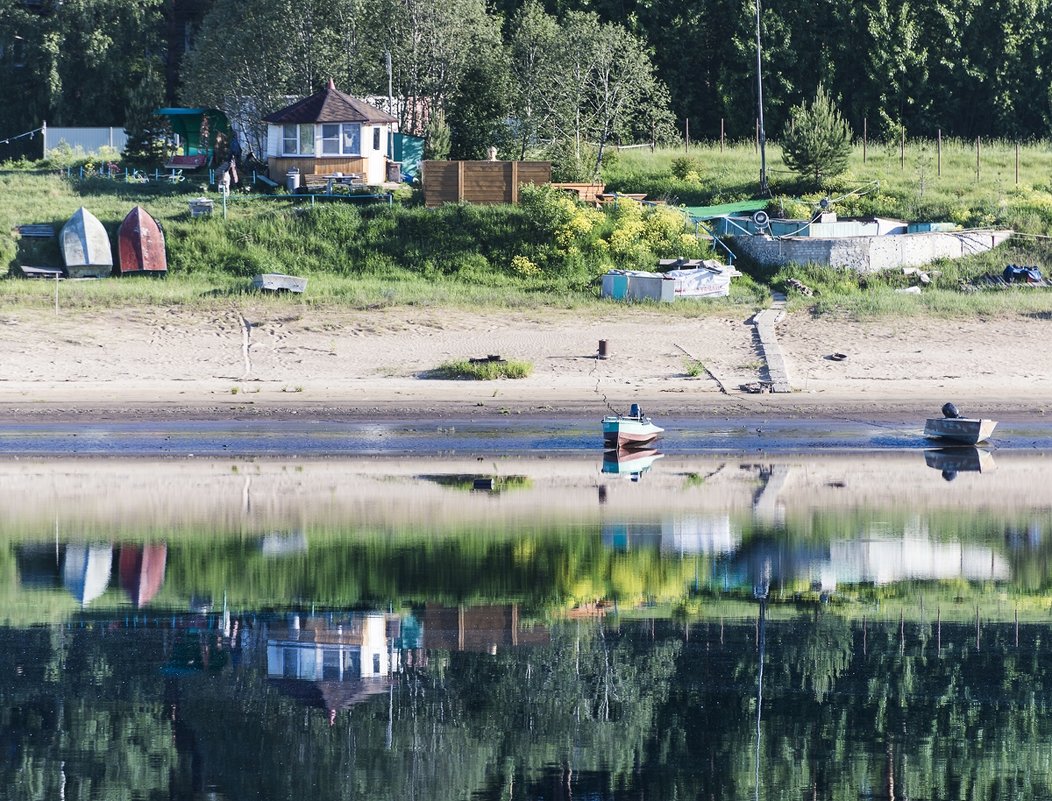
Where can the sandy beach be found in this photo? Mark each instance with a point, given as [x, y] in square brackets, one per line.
[277, 360]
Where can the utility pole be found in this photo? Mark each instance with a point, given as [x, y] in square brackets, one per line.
[764, 189]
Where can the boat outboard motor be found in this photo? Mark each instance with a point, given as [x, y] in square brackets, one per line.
[634, 411]
[949, 410]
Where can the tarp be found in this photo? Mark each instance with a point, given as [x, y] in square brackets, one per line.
[724, 209]
[409, 150]
[711, 280]
[188, 124]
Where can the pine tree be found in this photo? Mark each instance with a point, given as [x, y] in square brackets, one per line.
[149, 135]
[817, 140]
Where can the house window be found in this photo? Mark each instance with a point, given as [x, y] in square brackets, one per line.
[297, 140]
[341, 139]
[376, 138]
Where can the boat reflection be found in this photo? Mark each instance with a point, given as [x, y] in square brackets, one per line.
[86, 571]
[952, 461]
[632, 463]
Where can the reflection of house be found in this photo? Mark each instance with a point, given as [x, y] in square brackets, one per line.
[337, 661]
[314, 649]
[478, 628]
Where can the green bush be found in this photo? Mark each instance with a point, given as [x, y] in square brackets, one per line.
[481, 371]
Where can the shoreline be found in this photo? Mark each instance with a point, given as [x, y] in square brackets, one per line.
[274, 362]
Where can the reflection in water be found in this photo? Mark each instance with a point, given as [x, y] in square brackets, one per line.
[725, 630]
[86, 571]
[630, 463]
[951, 461]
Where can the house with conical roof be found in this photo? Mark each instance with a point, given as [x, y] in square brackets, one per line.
[330, 133]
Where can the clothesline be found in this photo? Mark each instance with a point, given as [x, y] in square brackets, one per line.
[11, 139]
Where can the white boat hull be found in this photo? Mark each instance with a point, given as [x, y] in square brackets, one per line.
[629, 432]
[967, 431]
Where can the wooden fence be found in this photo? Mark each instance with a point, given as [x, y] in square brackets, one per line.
[480, 181]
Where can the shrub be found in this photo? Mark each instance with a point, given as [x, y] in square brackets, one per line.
[463, 369]
[682, 166]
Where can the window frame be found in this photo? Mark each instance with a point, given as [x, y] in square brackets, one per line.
[299, 138]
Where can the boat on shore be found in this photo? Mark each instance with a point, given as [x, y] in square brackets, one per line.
[963, 430]
[140, 244]
[632, 430]
[85, 246]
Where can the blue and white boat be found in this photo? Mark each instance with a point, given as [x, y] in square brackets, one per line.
[632, 430]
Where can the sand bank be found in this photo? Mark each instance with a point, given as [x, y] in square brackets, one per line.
[281, 360]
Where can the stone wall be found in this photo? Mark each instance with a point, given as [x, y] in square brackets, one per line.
[867, 254]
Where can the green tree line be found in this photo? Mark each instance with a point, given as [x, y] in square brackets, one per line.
[571, 75]
[637, 710]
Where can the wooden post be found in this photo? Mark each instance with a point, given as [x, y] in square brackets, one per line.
[722, 134]
[514, 183]
[938, 139]
[977, 148]
[460, 181]
[902, 148]
[1017, 163]
[865, 138]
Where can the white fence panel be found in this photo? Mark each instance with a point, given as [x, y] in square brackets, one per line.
[89, 139]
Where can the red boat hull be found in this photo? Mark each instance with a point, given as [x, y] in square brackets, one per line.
[140, 243]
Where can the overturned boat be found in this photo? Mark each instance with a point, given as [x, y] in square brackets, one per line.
[85, 245]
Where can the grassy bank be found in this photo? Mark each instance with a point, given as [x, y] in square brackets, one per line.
[550, 251]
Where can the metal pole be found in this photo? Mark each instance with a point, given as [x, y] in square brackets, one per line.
[764, 189]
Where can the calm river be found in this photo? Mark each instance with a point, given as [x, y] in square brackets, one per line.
[468, 625]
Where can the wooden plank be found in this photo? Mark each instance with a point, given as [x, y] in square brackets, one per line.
[41, 272]
[36, 230]
[460, 181]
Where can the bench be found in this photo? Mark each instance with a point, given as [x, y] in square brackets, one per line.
[186, 162]
[586, 193]
[312, 180]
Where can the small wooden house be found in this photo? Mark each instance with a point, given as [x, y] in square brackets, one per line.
[327, 133]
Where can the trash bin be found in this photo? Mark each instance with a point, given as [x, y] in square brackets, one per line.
[394, 172]
[292, 180]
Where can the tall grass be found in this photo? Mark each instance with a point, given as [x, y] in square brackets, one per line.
[915, 184]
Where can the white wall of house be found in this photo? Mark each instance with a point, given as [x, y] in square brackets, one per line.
[373, 142]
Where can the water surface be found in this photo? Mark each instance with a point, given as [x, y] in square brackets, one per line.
[489, 626]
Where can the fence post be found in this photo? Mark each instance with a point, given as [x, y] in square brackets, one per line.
[865, 137]
[1017, 163]
[902, 148]
[43, 134]
[939, 150]
[460, 181]
[977, 146]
